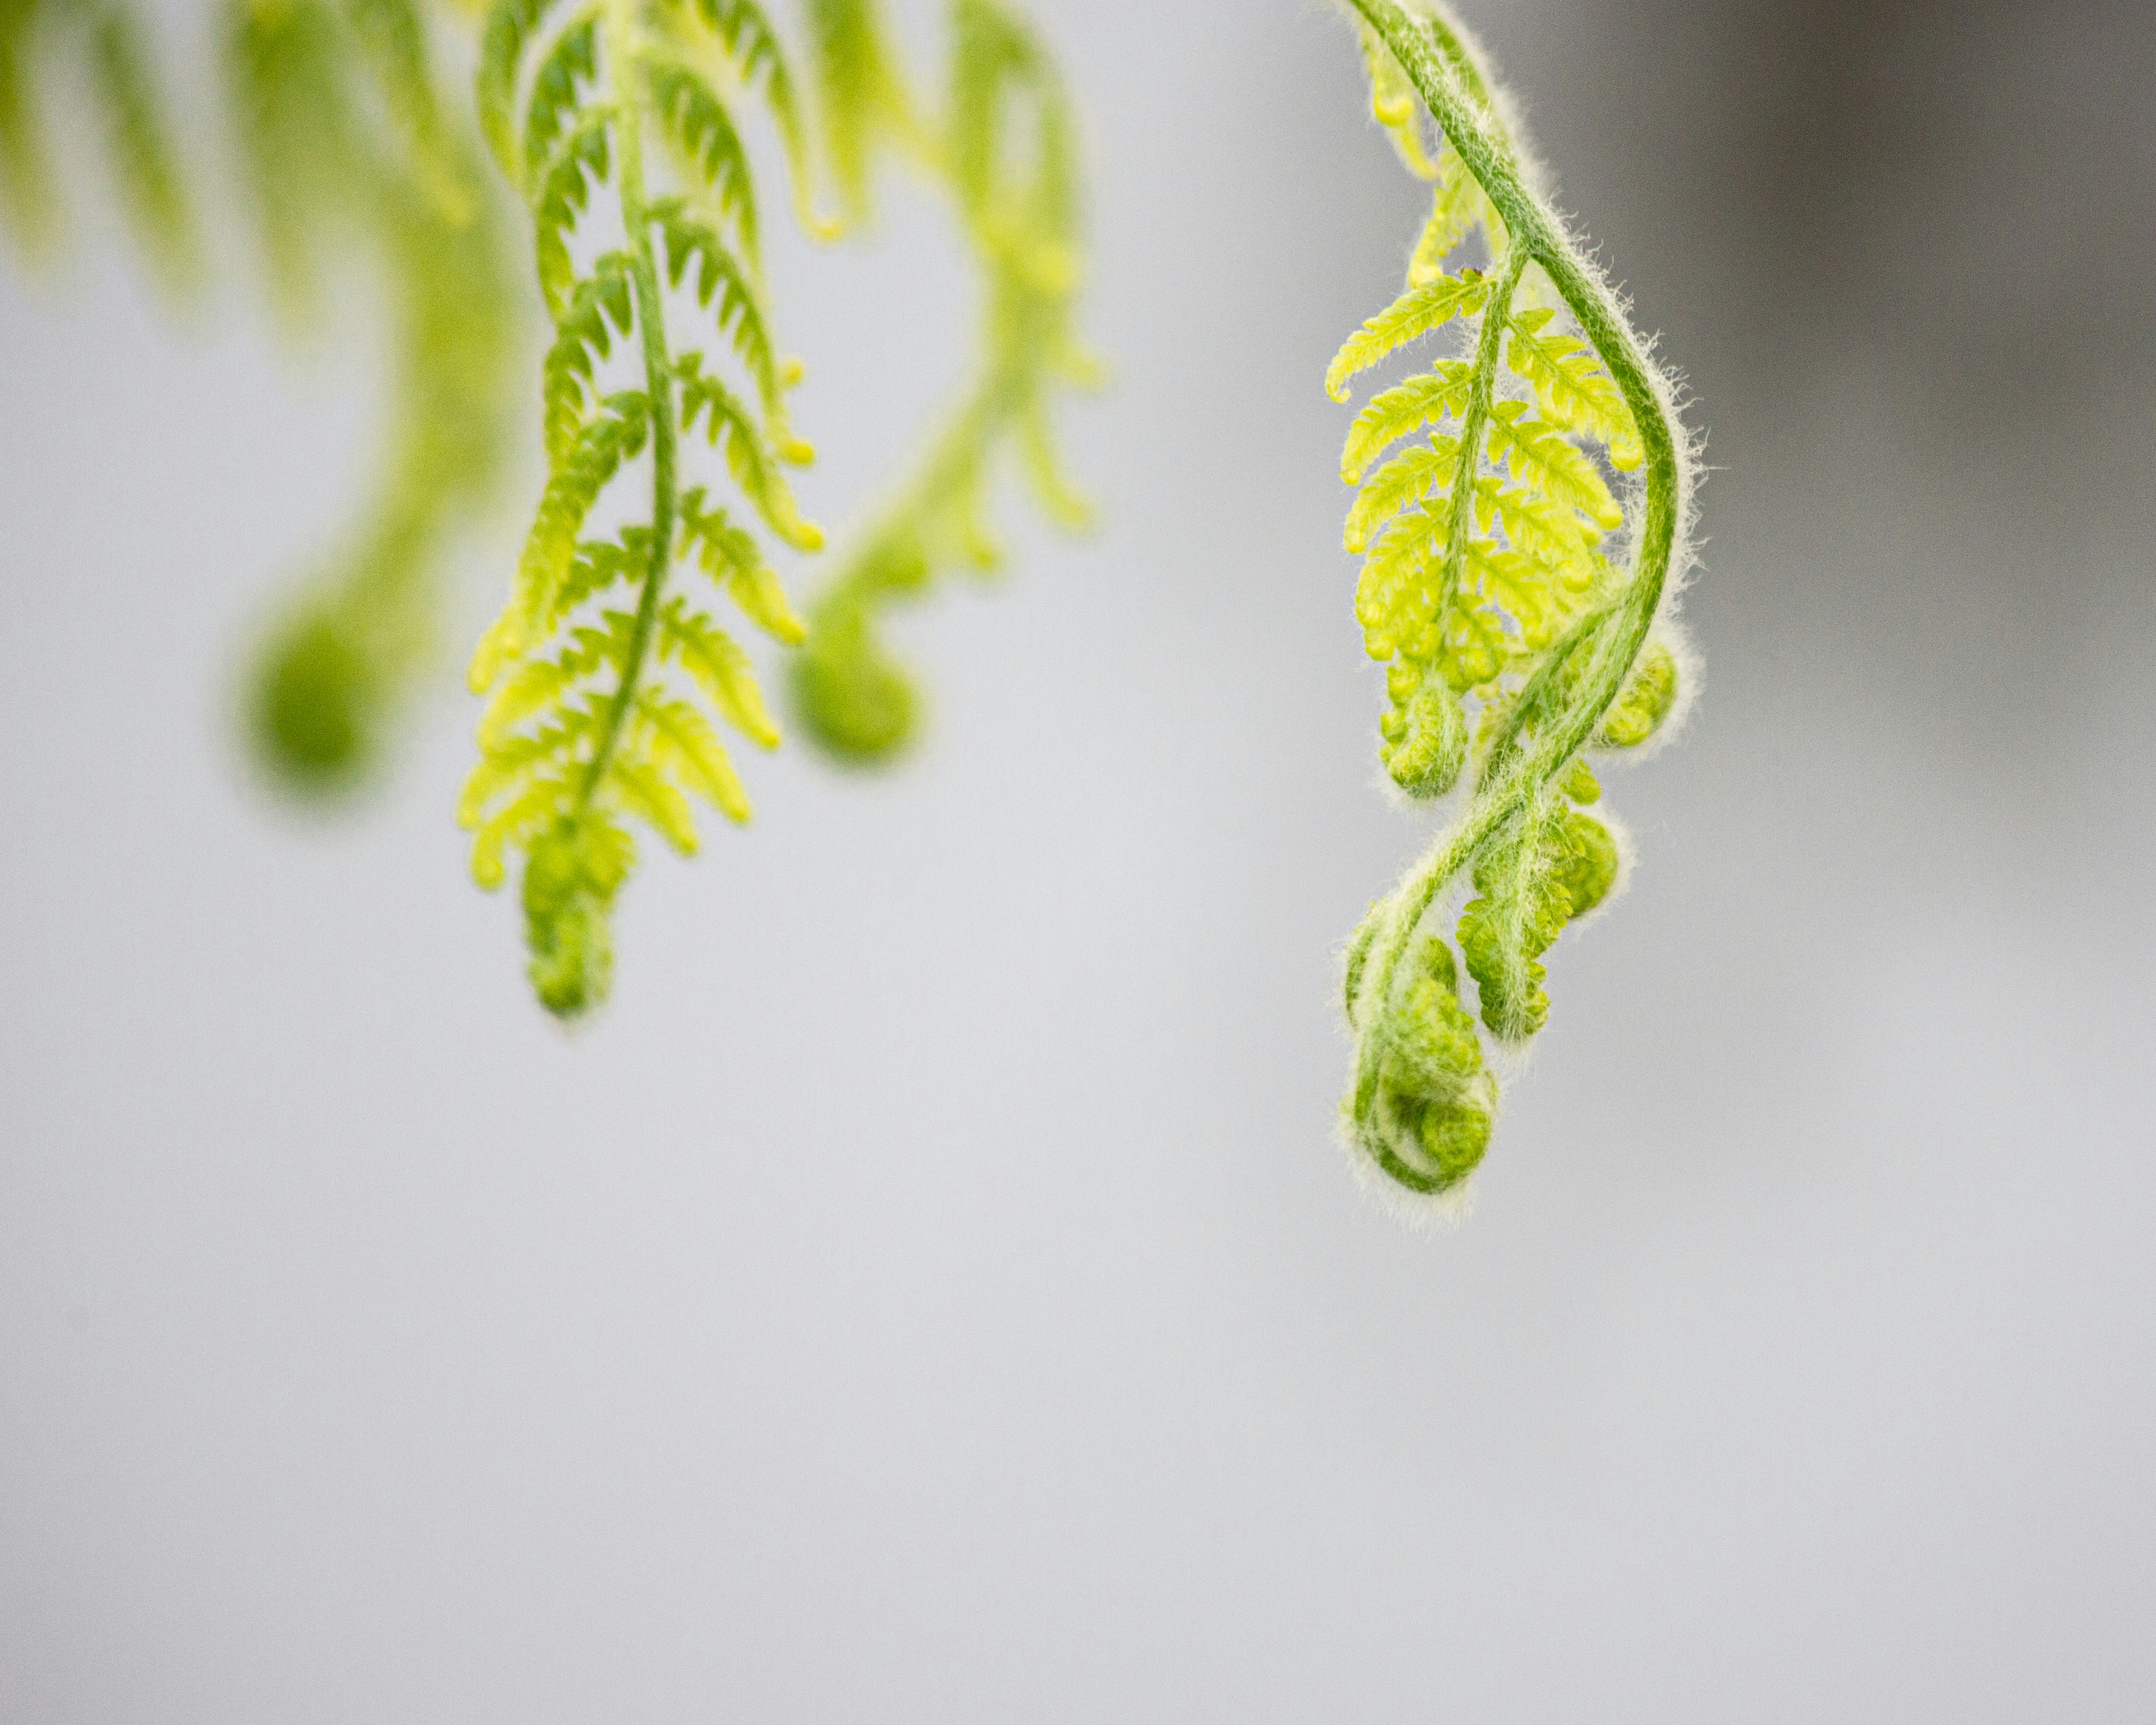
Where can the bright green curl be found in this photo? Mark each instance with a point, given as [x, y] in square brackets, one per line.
[1518, 556]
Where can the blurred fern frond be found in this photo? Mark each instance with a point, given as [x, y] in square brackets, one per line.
[349, 148]
[1005, 148]
[103, 42]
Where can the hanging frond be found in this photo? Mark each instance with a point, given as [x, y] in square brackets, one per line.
[1488, 582]
[351, 152]
[595, 670]
[1007, 155]
[694, 123]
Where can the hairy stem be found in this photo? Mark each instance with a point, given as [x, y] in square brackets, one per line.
[1438, 64]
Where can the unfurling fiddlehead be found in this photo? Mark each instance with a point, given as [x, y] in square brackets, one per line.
[586, 729]
[1015, 186]
[1500, 569]
[345, 141]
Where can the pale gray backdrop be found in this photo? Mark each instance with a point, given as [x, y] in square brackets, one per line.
[931, 1292]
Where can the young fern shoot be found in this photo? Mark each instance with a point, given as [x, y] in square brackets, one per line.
[587, 730]
[1007, 152]
[1502, 568]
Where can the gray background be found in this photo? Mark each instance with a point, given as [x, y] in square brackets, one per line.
[932, 1292]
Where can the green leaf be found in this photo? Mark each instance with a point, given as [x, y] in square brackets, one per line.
[751, 461]
[1410, 317]
[1402, 410]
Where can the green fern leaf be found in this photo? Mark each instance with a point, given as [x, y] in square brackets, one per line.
[1540, 457]
[1485, 587]
[1571, 387]
[647, 792]
[685, 240]
[1457, 208]
[681, 744]
[694, 120]
[1406, 479]
[1415, 314]
[754, 466]
[1644, 704]
[1009, 158]
[510, 27]
[745, 30]
[582, 338]
[615, 436]
[564, 190]
[1404, 410]
[862, 99]
[731, 556]
[558, 89]
[719, 668]
[575, 867]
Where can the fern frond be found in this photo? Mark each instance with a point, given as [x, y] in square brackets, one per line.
[732, 557]
[616, 435]
[1541, 458]
[1405, 479]
[599, 308]
[299, 139]
[1394, 106]
[683, 749]
[1484, 578]
[719, 667]
[510, 26]
[745, 30]
[348, 149]
[1009, 160]
[560, 192]
[740, 315]
[862, 100]
[583, 733]
[1457, 208]
[392, 36]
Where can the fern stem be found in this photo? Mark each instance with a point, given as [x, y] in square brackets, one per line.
[1475, 422]
[1443, 72]
[621, 51]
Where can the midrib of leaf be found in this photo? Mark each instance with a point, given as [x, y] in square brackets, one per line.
[624, 69]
